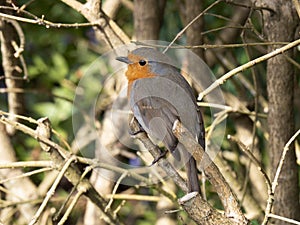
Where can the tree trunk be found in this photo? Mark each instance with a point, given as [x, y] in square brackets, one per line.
[280, 25]
[148, 15]
[194, 37]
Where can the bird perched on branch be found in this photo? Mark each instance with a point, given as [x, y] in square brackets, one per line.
[159, 95]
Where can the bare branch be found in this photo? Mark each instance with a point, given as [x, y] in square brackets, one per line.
[247, 65]
[189, 24]
[197, 208]
[270, 200]
[58, 156]
[225, 194]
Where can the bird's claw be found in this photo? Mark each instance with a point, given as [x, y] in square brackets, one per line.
[161, 155]
[134, 127]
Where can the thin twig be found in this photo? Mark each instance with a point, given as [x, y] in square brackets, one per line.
[70, 208]
[51, 191]
[223, 28]
[66, 200]
[230, 109]
[270, 200]
[33, 134]
[219, 118]
[212, 46]
[5, 204]
[46, 23]
[13, 165]
[285, 150]
[284, 219]
[125, 174]
[28, 174]
[247, 65]
[119, 207]
[248, 152]
[248, 6]
[96, 164]
[59, 155]
[190, 23]
[134, 197]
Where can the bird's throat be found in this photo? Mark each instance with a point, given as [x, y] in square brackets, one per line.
[135, 71]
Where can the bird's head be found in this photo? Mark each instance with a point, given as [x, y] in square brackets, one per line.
[144, 63]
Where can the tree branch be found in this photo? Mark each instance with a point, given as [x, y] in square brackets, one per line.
[247, 65]
[58, 156]
[231, 206]
[197, 208]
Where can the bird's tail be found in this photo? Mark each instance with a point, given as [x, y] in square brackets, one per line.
[182, 155]
[192, 174]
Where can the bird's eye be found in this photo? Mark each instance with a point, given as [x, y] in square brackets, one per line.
[142, 62]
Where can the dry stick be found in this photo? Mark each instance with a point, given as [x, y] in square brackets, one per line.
[119, 207]
[134, 197]
[284, 219]
[271, 187]
[198, 209]
[125, 174]
[285, 150]
[218, 120]
[47, 24]
[13, 165]
[72, 173]
[58, 156]
[57, 215]
[215, 177]
[248, 152]
[297, 6]
[27, 174]
[190, 23]
[63, 205]
[71, 207]
[247, 65]
[6, 204]
[212, 46]
[51, 191]
[96, 164]
[20, 49]
[276, 177]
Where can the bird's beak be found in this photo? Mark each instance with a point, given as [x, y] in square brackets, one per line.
[124, 59]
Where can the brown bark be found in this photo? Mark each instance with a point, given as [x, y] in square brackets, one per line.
[107, 30]
[194, 37]
[280, 25]
[148, 15]
[12, 67]
[197, 208]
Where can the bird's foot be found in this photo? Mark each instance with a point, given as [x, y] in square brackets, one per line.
[134, 127]
[135, 132]
[161, 155]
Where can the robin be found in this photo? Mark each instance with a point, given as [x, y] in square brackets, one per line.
[159, 95]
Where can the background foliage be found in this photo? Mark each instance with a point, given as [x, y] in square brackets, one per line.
[57, 58]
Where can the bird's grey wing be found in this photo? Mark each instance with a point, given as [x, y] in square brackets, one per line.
[173, 74]
[156, 116]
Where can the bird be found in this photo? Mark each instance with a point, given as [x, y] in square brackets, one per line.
[158, 96]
